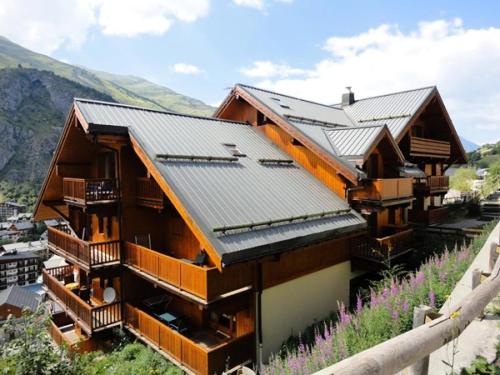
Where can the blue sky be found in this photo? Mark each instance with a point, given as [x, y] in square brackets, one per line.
[306, 48]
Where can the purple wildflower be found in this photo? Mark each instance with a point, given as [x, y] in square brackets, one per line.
[432, 298]
[406, 307]
[359, 304]
[344, 316]
[419, 278]
[394, 288]
[395, 315]
[373, 299]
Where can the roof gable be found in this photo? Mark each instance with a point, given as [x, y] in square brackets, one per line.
[262, 200]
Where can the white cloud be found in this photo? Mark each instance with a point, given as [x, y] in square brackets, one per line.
[45, 26]
[268, 69]
[463, 62]
[183, 68]
[258, 4]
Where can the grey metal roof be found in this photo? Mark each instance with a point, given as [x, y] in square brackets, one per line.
[221, 193]
[19, 297]
[8, 257]
[315, 119]
[353, 142]
[395, 110]
[299, 108]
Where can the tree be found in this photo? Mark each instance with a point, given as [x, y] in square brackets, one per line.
[462, 179]
[492, 179]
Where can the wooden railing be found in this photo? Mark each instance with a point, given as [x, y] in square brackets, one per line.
[199, 359]
[90, 318]
[149, 193]
[380, 189]
[90, 190]
[387, 247]
[429, 148]
[204, 282]
[87, 253]
[438, 183]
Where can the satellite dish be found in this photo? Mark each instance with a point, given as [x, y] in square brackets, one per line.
[109, 295]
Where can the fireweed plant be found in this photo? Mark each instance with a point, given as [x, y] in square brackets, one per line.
[386, 313]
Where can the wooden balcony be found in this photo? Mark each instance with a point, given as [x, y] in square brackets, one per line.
[433, 215]
[379, 249]
[87, 254]
[90, 318]
[434, 184]
[65, 332]
[385, 189]
[149, 193]
[429, 148]
[206, 283]
[203, 352]
[88, 191]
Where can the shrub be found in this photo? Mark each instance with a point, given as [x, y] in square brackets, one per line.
[387, 313]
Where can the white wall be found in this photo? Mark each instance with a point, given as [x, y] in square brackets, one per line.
[290, 307]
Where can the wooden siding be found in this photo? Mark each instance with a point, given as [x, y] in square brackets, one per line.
[381, 189]
[304, 261]
[195, 356]
[310, 161]
[433, 215]
[88, 317]
[87, 254]
[204, 282]
[149, 193]
[429, 148]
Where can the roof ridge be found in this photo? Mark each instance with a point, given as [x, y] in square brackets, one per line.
[389, 94]
[287, 96]
[115, 104]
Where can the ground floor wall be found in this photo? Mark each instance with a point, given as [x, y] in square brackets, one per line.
[290, 307]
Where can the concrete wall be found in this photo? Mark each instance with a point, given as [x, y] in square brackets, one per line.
[290, 307]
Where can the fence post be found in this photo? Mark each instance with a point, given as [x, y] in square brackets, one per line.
[492, 256]
[420, 367]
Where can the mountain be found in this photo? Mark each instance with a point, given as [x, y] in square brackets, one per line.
[124, 89]
[485, 156]
[33, 109]
[468, 145]
[36, 92]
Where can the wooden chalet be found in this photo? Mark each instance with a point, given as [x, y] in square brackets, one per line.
[199, 235]
[384, 155]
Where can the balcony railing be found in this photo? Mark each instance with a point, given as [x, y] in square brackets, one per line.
[201, 281]
[433, 215]
[149, 193]
[64, 332]
[199, 357]
[87, 254]
[382, 248]
[431, 148]
[84, 191]
[382, 189]
[90, 318]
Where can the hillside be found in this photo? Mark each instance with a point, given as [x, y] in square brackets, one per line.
[124, 89]
[33, 108]
[485, 156]
[468, 145]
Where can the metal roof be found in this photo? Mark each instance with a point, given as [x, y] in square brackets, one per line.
[395, 110]
[19, 297]
[322, 123]
[353, 142]
[219, 190]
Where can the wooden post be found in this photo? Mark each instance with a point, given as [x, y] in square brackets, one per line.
[492, 256]
[421, 367]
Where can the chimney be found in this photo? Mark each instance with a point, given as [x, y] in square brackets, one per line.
[348, 97]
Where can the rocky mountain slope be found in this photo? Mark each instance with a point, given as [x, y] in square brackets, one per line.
[36, 92]
[124, 89]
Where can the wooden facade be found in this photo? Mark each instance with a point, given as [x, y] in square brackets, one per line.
[127, 231]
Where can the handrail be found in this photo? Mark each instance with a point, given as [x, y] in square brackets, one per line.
[404, 350]
[90, 253]
[202, 281]
[385, 189]
[94, 318]
[88, 190]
